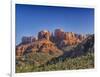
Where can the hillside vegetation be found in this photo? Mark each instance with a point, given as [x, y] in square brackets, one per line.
[62, 51]
[82, 62]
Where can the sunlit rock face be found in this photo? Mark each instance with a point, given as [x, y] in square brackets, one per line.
[21, 49]
[47, 42]
[70, 38]
[45, 34]
[44, 46]
[48, 47]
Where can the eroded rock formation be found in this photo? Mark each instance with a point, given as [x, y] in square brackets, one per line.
[45, 34]
[44, 46]
[48, 42]
[26, 39]
[59, 34]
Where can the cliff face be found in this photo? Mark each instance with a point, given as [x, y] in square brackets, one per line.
[45, 34]
[67, 38]
[26, 40]
[43, 45]
[59, 34]
[48, 42]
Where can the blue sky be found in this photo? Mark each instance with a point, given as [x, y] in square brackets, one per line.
[30, 19]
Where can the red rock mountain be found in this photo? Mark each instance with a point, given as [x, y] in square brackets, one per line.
[47, 42]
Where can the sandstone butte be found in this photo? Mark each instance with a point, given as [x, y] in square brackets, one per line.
[48, 42]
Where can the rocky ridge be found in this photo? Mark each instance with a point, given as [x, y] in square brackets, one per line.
[48, 42]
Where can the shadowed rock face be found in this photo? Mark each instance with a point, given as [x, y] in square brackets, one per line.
[26, 39]
[44, 35]
[82, 48]
[59, 34]
[48, 43]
